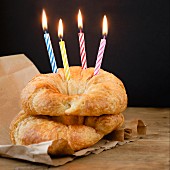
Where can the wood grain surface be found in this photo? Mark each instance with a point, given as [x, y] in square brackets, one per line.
[149, 152]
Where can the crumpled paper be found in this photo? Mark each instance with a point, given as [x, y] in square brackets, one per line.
[15, 72]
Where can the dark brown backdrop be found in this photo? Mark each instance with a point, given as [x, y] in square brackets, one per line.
[137, 44]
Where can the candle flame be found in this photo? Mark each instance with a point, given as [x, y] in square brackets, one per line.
[60, 29]
[80, 20]
[105, 26]
[44, 20]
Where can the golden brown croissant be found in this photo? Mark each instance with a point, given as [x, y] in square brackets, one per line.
[75, 114]
[83, 95]
[26, 129]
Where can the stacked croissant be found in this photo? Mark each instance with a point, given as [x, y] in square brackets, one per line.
[75, 113]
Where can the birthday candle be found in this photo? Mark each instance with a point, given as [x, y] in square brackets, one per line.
[63, 51]
[82, 42]
[101, 47]
[48, 43]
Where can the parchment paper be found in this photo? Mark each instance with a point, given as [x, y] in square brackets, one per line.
[15, 72]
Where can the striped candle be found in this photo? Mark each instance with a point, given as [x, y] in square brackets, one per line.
[101, 47]
[63, 51]
[50, 52]
[82, 42]
[82, 50]
[48, 43]
[100, 56]
[65, 60]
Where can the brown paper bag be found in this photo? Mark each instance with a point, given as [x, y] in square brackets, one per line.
[15, 72]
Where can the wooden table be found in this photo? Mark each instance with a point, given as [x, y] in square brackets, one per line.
[151, 152]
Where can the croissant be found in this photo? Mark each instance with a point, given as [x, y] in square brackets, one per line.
[83, 95]
[75, 114]
[26, 129]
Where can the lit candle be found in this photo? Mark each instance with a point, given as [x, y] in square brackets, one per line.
[101, 47]
[82, 42]
[63, 51]
[48, 43]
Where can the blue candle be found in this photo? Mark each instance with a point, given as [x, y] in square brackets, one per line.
[48, 43]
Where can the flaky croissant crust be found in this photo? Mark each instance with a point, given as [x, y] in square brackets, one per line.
[83, 95]
[26, 129]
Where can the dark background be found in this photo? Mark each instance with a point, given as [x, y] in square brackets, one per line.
[137, 48]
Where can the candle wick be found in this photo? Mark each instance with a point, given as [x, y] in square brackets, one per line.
[60, 37]
[81, 29]
[45, 31]
[104, 36]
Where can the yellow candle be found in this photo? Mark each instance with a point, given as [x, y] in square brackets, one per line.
[64, 58]
[63, 51]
